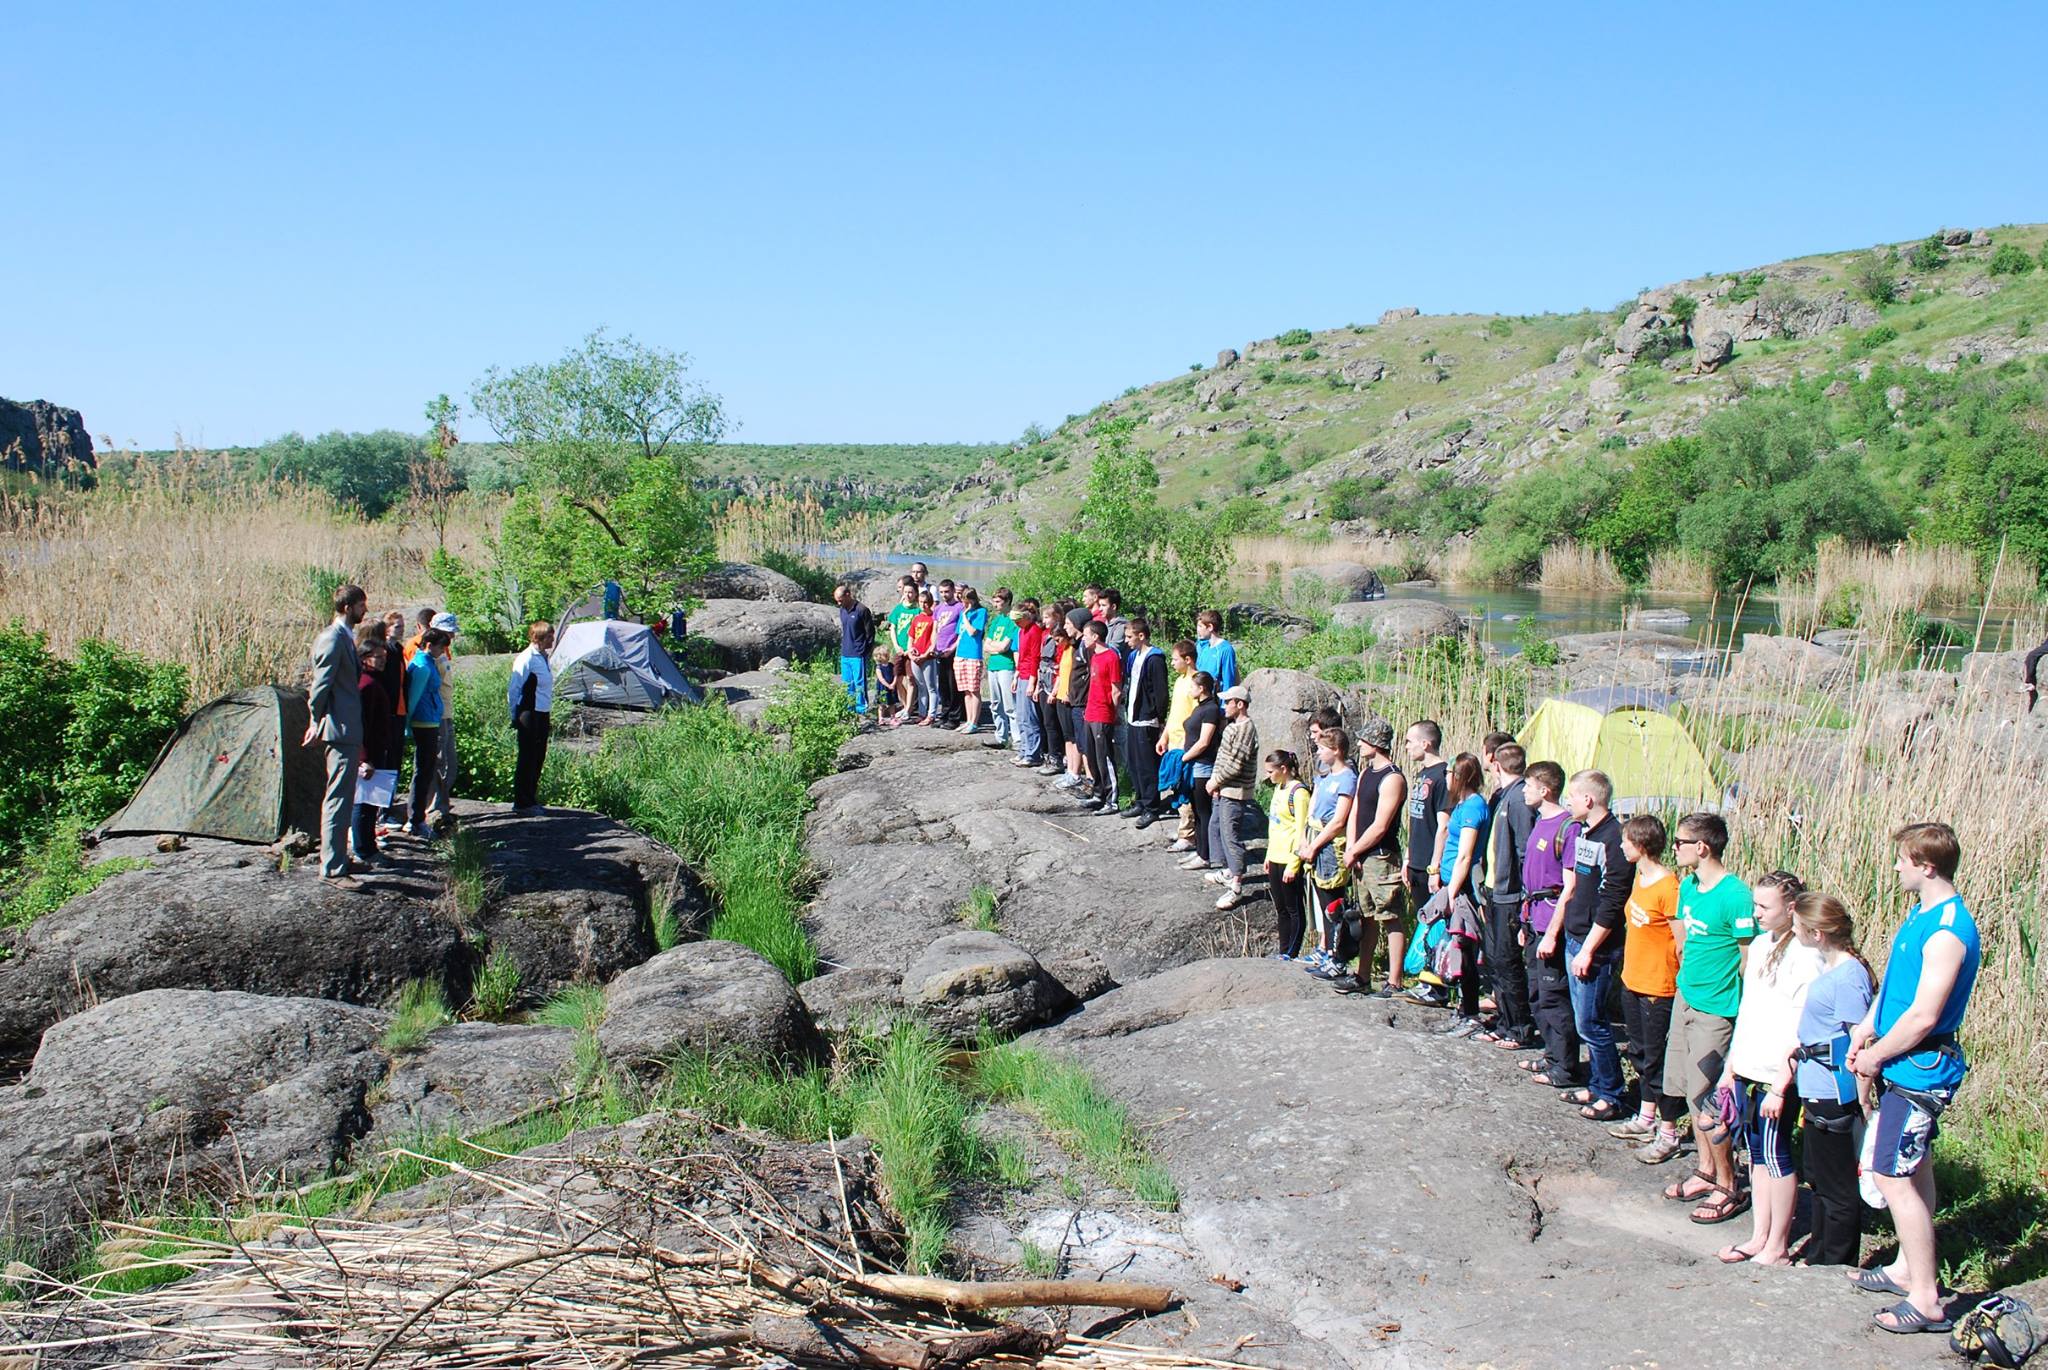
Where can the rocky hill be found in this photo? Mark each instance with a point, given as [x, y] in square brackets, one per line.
[1480, 397]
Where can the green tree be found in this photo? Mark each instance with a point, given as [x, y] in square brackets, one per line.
[367, 470]
[1536, 509]
[1169, 562]
[1684, 309]
[1643, 518]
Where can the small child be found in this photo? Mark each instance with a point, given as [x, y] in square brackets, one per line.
[1286, 828]
[1649, 979]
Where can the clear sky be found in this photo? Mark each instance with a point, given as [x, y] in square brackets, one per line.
[921, 223]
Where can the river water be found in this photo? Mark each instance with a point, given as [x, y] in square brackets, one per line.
[1499, 613]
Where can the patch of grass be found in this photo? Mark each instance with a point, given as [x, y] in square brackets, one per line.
[420, 1009]
[1992, 1185]
[496, 988]
[979, 912]
[746, 1091]
[1267, 647]
[1011, 1161]
[1036, 1261]
[468, 874]
[573, 1006]
[1083, 1119]
[54, 873]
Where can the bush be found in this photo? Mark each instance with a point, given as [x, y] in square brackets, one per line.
[1872, 276]
[367, 470]
[1929, 254]
[80, 734]
[2011, 260]
[1747, 287]
[1498, 328]
[1879, 336]
[1293, 337]
[817, 582]
[54, 874]
[1312, 354]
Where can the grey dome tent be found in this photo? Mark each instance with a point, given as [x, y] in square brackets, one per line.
[616, 663]
[235, 769]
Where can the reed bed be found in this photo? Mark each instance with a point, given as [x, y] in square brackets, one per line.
[1269, 558]
[216, 578]
[800, 527]
[543, 1275]
[1893, 583]
[1577, 567]
[1677, 572]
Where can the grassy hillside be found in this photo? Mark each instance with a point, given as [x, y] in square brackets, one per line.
[1430, 402]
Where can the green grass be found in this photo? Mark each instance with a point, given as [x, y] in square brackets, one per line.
[979, 912]
[1080, 1116]
[1991, 1183]
[420, 1009]
[496, 988]
[1037, 1262]
[469, 863]
[55, 873]
[573, 1006]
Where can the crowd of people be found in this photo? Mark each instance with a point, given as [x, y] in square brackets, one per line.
[380, 683]
[1509, 892]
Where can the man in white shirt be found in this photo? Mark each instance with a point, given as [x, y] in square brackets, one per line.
[529, 697]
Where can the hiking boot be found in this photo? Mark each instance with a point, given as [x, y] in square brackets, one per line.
[1661, 1148]
[1633, 1130]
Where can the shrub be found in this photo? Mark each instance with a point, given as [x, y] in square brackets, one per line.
[1879, 336]
[1312, 354]
[1929, 254]
[54, 874]
[1498, 328]
[1293, 337]
[1747, 287]
[2011, 260]
[1536, 647]
[817, 582]
[1684, 308]
[1872, 276]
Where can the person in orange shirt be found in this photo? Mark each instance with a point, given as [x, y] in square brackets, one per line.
[1649, 976]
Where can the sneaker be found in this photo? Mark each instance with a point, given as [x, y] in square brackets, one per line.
[1049, 768]
[1216, 877]
[1022, 761]
[1351, 984]
[1180, 844]
[1191, 862]
[1280, 956]
[1633, 1130]
[1092, 805]
[1313, 959]
[1145, 820]
[1331, 970]
[1230, 900]
[1429, 995]
[1067, 782]
[1661, 1148]
[1385, 992]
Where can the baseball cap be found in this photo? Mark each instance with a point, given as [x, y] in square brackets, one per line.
[445, 623]
[1377, 733]
[1239, 693]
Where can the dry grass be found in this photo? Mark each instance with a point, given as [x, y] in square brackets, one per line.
[776, 523]
[1577, 567]
[1893, 583]
[1681, 573]
[1261, 557]
[178, 569]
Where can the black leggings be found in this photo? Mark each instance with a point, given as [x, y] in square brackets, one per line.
[1647, 1020]
[1828, 1164]
[1290, 906]
[1204, 803]
[1053, 739]
[426, 762]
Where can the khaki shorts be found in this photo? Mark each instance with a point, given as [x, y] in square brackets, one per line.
[1698, 1043]
[1381, 892]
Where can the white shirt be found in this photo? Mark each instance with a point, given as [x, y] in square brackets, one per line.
[1767, 1025]
[531, 662]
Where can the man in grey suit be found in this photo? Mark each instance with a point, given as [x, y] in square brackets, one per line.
[337, 724]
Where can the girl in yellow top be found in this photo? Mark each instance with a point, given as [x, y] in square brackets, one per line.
[1286, 831]
[1172, 742]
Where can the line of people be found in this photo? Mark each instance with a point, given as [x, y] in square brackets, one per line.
[1511, 894]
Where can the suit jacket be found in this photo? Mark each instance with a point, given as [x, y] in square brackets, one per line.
[335, 696]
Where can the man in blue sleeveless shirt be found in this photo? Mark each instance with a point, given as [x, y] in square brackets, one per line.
[1907, 1043]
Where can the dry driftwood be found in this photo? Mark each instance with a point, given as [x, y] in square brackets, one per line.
[1145, 1298]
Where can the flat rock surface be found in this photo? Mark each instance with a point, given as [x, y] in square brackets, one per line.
[902, 839]
[468, 1075]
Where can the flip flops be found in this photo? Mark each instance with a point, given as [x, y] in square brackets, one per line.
[1906, 1318]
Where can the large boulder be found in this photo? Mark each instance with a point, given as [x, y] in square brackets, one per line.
[467, 1076]
[171, 1090]
[745, 633]
[1713, 351]
[1396, 315]
[40, 436]
[1788, 662]
[1343, 581]
[222, 916]
[1283, 701]
[580, 920]
[967, 980]
[1201, 987]
[704, 996]
[850, 999]
[1401, 624]
[1630, 657]
[744, 580]
[1238, 617]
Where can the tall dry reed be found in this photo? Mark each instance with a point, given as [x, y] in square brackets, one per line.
[1676, 572]
[1263, 557]
[1887, 582]
[1577, 567]
[799, 526]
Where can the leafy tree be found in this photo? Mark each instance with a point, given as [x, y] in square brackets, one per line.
[434, 479]
[1642, 520]
[1536, 509]
[367, 470]
[1872, 276]
[1167, 561]
[1929, 254]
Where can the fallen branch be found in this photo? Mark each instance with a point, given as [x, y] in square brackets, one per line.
[982, 1294]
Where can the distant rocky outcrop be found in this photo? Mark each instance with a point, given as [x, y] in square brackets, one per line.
[40, 436]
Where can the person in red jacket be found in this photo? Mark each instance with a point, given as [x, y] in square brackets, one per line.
[380, 736]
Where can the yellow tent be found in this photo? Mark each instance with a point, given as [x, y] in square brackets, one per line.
[1629, 733]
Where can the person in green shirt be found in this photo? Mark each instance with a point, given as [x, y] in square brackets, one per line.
[1719, 918]
[898, 620]
[1001, 647]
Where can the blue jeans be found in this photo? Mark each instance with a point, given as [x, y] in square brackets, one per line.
[928, 687]
[1002, 689]
[1589, 1001]
[1030, 737]
[853, 670]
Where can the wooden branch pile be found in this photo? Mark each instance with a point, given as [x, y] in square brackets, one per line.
[532, 1278]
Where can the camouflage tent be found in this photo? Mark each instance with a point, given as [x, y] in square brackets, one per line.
[235, 769]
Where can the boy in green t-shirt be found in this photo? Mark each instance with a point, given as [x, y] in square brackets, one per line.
[1718, 918]
[898, 620]
[1000, 644]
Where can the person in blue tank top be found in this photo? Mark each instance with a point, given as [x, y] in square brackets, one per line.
[1906, 1044]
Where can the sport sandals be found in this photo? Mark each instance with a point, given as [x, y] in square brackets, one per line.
[1877, 1281]
[1720, 1206]
[1907, 1318]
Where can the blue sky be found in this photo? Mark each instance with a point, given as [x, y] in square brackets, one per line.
[921, 223]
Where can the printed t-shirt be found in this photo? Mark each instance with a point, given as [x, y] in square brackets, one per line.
[1717, 922]
[973, 628]
[1329, 789]
[1835, 1003]
[898, 619]
[1543, 868]
[1219, 659]
[1767, 1027]
[1429, 798]
[1178, 708]
[1468, 824]
[1002, 643]
[921, 634]
[946, 625]
[1105, 673]
[1649, 959]
[1930, 1068]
